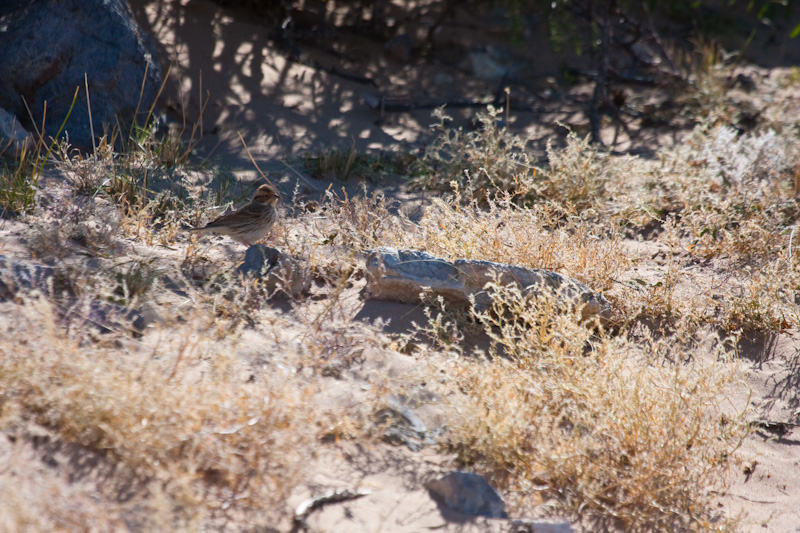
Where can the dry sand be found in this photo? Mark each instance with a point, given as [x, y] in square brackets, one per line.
[282, 109]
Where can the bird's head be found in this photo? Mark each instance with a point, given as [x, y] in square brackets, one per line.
[266, 194]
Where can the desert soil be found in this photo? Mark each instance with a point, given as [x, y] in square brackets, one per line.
[283, 109]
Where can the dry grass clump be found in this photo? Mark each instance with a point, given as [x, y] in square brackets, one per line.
[536, 237]
[623, 432]
[740, 234]
[159, 217]
[346, 163]
[766, 298]
[735, 297]
[358, 222]
[487, 159]
[735, 193]
[132, 280]
[491, 160]
[728, 199]
[183, 408]
[19, 177]
[582, 176]
[153, 198]
[542, 236]
[145, 173]
[64, 222]
[733, 200]
[126, 178]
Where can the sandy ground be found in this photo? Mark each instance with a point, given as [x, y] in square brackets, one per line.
[769, 490]
[283, 109]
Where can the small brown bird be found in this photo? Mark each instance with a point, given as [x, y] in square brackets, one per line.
[251, 222]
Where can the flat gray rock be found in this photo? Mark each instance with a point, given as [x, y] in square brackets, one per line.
[278, 272]
[401, 275]
[404, 426]
[541, 526]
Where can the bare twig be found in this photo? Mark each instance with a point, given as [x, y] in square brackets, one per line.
[312, 504]
[89, 106]
[303, 178]
[600, 96]
[246, 149]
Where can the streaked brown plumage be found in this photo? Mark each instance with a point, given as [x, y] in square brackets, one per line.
[251, 222]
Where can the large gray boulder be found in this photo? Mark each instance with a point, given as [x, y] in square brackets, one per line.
[47, 47]
[468, 494]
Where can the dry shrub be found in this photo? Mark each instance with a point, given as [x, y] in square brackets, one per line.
[489, 158]
[65, 221]
[718, 163]
[536, 237]
[359, 222]
[727, 198]
[735, 193]
[742, 234]
[330, 238]
[542, 236]
[733, 200]
[766, 298]
[582, 176]
[180, 408]
[732, 296]
[622, 432]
